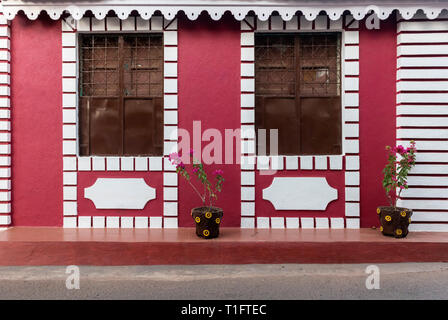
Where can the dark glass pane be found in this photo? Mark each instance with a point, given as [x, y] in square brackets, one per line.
[320, 125]
[143, 65]
[275, 65]
[99, 72]
[105, 126]
[279, 114]
[143, 127]
[320, 65]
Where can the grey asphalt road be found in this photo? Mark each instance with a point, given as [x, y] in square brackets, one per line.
[233, 282]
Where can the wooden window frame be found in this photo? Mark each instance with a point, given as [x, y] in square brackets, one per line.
[298, 95]
[157, 99]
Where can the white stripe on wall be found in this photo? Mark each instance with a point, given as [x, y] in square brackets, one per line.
[422, 115]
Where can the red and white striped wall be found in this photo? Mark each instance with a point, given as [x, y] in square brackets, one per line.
[5, 124]
[422, 115]
[346, 165]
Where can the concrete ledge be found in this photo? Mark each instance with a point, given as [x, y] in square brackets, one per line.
[59, 246]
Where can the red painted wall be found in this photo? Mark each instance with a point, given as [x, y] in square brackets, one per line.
[378, 51]
[36, 99]
[209, 90]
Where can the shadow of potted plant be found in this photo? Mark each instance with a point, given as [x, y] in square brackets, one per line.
[207, 217]
[395, 220]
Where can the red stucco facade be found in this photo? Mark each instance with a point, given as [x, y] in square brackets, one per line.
[208, 90]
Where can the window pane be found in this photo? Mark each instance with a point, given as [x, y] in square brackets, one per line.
[99, 66]
[320, 65]
[320, 125]
[274, 65]
[143, 64]
[84, 132]
[143, 127]
[103, 128]
[279, 114]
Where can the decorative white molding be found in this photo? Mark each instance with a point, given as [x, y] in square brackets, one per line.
[5, 123]
[72, 162]
[302, 193]
[349, 28]
[216, 9]
[120, 193]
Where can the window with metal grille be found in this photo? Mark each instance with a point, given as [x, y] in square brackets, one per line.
[120, 94]
[298, 91]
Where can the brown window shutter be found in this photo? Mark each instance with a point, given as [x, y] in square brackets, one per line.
[143, 125]
[105, 127]
[83, 127]
[320, 125]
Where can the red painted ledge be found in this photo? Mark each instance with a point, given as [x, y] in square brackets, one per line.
[58, 246]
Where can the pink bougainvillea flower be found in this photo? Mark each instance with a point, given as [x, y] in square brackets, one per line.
[400, 149]
[218, 172]
[172, 156]
[180, 165]
[195, 170]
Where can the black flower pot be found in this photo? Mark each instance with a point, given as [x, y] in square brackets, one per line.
[394, 221]
[207, 220]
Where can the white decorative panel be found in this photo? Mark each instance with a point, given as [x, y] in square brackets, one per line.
[120, 193]
[304, 193]
[107, 194]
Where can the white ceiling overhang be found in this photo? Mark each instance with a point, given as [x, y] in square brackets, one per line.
[216, 8]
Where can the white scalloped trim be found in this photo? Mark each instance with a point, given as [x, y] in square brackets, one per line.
[239, 10]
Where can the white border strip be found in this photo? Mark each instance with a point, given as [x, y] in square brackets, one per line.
[73, 163]
[5, 123]
[250, 163]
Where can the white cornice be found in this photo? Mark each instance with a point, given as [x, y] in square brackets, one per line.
[193, 8]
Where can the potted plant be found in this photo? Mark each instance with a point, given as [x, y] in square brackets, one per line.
[395, 220]
[207, 217]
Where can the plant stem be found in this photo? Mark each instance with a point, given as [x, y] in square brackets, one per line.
[389, 198]
[396, 198]
[199, 194]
